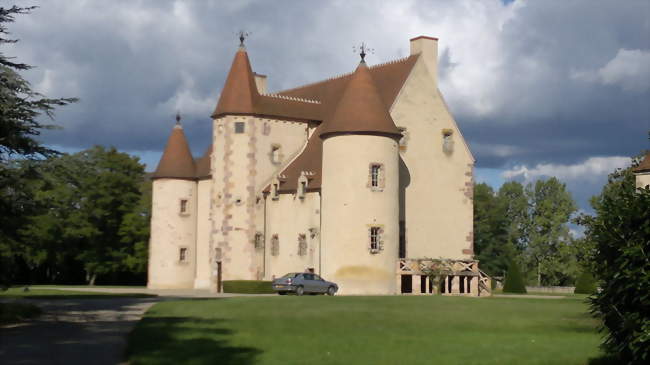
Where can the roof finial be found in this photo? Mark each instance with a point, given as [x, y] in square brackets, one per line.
[178, 118]
[363, 51]
[242, 37]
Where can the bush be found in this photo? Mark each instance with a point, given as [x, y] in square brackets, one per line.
[247, 287]
[514, 282]
[586, 284]
[621, 232]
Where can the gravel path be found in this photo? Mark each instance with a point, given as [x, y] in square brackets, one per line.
[75, 331]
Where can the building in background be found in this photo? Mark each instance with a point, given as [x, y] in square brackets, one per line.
[361, 178]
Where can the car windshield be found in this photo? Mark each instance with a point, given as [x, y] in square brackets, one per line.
[290, 275]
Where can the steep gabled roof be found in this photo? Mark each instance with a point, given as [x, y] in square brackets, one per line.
[644, 166]
[388, 77]
[360, 109]
[309, 162]
[176, 161]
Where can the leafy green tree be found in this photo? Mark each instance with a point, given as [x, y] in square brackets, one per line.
[548, 248]
[620, 232]
[489, 231]
[514, 281]
[21, 109]
[514, 205]
[93, 211]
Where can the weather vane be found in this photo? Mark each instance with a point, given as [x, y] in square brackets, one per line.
[363, 50]
[242, 36]
[178, 117]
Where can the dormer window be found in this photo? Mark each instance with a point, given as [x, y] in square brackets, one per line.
[302, 186]
[275, 195]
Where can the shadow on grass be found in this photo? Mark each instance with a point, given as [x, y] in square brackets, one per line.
[81, 296]
[179, 340]
[605, 360]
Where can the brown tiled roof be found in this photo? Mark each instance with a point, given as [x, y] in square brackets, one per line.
[203, 165]
[239, 93]
[240, 96]
[309, 161]
[176, 160]
[645, 164]
[360, 109]
[388, 77]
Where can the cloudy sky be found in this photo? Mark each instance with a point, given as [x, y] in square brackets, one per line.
[539, 88]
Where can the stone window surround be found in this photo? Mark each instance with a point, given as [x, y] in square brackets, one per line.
[275, 154]
[275, 245]
[183, 207]
[302, 244]
[258, 241]
[183, 255]
[379, 230]
[381, 178]
[447, 140]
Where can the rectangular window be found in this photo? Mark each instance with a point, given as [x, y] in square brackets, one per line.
[182, 254]
[374, 239]
[183, 206]
[374, 175]
[239, 127]
[276, 156]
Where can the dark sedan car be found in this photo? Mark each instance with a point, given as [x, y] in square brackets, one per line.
[304, 282]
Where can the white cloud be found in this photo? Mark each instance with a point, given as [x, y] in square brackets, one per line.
[629, 69]
[592, 168]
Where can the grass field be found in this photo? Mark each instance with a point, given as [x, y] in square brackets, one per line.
[366, 330]
[45, 293]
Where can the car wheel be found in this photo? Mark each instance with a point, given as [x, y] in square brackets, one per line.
[300, 290]
[282, 292]
[331, 291]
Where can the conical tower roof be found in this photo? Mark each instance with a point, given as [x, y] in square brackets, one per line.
[361, 109]
[176, 161]
[239, 93]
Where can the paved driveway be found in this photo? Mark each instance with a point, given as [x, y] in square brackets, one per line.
[74, 331]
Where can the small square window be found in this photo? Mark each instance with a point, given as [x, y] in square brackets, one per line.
[276, 154]
[239, 127]
[183, 207]
[182, 254]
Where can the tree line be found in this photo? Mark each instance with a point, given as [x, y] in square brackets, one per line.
[529, 225]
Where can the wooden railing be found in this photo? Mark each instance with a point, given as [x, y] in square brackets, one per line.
[461, 277]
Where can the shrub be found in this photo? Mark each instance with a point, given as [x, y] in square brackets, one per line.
[247, 287]
[621, 232]
[586, 284]
[514, 282]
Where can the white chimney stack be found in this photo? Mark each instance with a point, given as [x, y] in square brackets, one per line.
[260, 82]
[427, 48]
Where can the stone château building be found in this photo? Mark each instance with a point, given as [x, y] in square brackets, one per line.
[360, 178]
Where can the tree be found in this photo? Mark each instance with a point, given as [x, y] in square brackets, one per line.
[93, 211]
[514, 207]
[20, 111]
[514, 281]
[548, 247]
[620, 232]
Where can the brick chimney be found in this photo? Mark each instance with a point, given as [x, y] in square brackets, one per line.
[427, 48]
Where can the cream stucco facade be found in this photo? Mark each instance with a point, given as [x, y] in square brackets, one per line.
[278, 194]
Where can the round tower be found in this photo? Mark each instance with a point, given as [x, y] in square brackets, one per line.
[360, 200]
[172, 243]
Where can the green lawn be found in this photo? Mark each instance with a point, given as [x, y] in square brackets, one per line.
[366, 330]
[37, 293]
